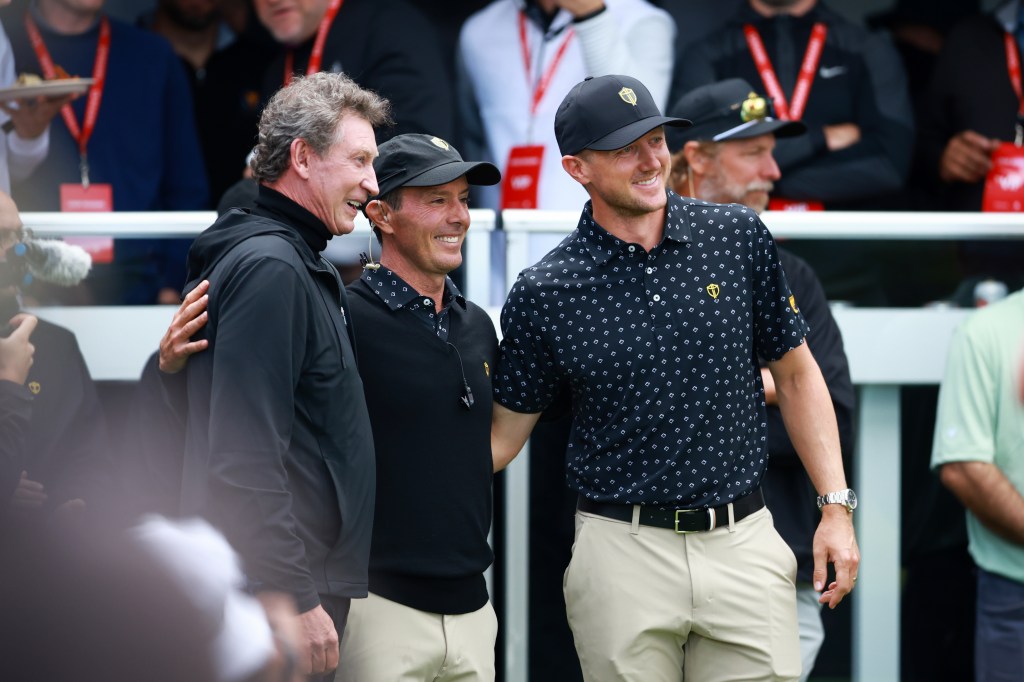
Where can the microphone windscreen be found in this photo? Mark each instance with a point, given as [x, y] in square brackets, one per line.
[51, 260]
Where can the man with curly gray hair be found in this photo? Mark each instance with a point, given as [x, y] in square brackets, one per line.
[279, 452]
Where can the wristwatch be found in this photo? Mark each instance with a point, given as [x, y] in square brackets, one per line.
[847, 498]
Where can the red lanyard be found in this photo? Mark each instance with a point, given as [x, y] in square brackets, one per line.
[316, 57]
[545, 80]
[1013, 66]
[99, 75]
[793, 111]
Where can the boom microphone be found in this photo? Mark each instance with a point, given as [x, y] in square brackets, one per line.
[53, 261]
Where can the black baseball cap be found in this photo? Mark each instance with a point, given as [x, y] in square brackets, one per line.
[605, 113]
[415, 160]
[728, 110]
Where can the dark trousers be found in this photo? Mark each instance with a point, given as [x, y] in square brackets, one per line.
[999, 634]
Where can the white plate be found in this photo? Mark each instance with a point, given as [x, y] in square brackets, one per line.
[56, 88]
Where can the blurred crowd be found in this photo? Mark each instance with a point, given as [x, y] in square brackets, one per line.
[916, 110]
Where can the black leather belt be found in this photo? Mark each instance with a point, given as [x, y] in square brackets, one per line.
[679, 520]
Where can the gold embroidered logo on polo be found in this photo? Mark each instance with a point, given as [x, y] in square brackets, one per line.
[628, 96]
[439, 143]
[34, 387]
[792, 304]
[714, 290]
[487, 369]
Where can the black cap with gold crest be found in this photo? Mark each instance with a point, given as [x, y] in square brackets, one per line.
[417, 160]
[607, 112]
[728, 110]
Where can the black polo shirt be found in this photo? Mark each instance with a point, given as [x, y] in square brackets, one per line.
[659, 350]
[394, 291]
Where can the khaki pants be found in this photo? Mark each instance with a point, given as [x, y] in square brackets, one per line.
[648, 605]
[388, 642]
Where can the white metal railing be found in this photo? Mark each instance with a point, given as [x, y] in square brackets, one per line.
[139, 225]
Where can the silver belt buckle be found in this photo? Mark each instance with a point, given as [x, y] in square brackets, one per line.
[711, 520]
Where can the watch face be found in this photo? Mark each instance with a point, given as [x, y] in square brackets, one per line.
[851, 500]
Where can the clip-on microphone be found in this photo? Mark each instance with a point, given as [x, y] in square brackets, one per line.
[466, 399]
[367, 261]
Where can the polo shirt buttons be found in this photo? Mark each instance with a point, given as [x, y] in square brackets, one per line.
[650, 270]
[427, 301]
[656, 297]
[632, 248]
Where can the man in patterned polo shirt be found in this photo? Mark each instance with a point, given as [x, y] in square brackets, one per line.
[653, 314]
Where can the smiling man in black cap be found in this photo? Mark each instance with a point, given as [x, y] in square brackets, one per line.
[652, 314]
[424, 352]
[726, 157]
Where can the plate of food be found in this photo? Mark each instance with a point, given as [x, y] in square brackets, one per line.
[33, 86]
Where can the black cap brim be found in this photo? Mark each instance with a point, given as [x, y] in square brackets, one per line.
[634, 131]
[719, 131]
[476, 172]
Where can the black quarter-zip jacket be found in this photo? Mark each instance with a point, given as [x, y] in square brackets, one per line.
[279, 451]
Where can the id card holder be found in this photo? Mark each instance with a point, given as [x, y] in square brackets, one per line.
[521, 180]
[779, 204]
[1004, 184]
[98, 196]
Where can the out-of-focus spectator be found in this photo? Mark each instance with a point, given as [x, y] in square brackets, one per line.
[696, 19]
[978, 452]
[67, 463]
[726, 157]
[448, 18]
[516, 61]
[24, 126]
[972, 112]
[852, 97]
[16, 352]
[918, 29]
[135, 145]
[386, 46]
[226, 51]
[162, 602]
[847, 85]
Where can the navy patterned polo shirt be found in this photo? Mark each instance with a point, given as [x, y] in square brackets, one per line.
[393, 290]
[659, 350]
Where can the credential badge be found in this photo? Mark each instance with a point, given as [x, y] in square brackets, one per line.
[628, 96]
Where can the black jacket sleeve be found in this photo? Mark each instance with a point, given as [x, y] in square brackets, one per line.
[242, 397]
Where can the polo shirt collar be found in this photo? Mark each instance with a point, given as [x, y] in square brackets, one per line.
[397, 294]
[603, 246]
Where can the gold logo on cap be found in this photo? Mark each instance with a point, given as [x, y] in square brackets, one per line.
[628, 96]
[714, 290]
[440, 143]
[792, 304]
[754, 108]
[34, 387]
